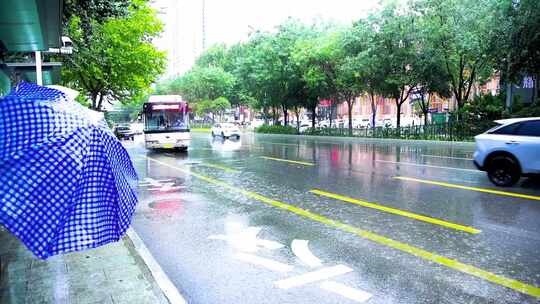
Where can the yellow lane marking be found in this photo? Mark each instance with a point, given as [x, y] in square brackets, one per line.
[421, 253]
[289, 161]
[430, 182]
[227, 169]
[397, 211]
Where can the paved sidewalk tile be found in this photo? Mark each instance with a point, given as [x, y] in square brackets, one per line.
[112, 274]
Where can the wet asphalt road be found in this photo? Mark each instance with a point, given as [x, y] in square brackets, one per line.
[235, 222]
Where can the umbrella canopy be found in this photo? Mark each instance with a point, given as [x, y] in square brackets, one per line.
[66, 182]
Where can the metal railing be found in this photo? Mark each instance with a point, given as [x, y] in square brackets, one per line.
[452, 131]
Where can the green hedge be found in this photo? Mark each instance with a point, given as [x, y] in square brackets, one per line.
[276, 129]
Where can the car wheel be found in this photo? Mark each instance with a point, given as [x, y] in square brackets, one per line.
[503, 171]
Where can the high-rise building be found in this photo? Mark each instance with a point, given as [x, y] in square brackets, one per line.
[182, 35]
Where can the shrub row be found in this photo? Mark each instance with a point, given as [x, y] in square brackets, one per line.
[276, 129]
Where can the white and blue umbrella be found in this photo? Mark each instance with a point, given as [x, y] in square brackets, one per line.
[66, 182]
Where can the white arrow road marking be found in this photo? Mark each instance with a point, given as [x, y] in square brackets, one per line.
[354, 294]
[245, 238]
[165, 187]
[300, 248]
[313, 276]
[269, 244]
[153, 182]
[267, 263]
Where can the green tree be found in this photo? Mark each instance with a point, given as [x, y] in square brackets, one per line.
[319, 59]
[203, 83]
[203, 108]
[118, 62]
[214, 107]
[461, 32]
[394, 42]
[93, 12]
[220, 105]
[359, 42]
[430, 73]
[516, 41]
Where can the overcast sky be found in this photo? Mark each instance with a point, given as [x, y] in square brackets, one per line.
[230, 20]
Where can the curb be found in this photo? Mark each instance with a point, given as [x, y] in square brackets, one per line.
[167, 287]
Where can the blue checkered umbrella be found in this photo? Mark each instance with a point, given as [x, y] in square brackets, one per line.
[66, 182]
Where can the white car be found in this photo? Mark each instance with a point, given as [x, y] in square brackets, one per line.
[509, 150]
[225, 130]
[304, 127]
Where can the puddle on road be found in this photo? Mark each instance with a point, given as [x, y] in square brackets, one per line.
[166, 205]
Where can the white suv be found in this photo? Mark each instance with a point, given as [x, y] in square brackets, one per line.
[225, 130]
[509, 150]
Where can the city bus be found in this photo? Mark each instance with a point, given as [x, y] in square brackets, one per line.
[166, 122]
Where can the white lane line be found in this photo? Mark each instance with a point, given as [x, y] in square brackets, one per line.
[267, 263]
[313, 276]
[354, 294]
[450, 157]
[300, 248]
[428, 166]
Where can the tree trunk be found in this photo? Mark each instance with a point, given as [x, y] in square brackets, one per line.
[100, 102]
[373, 110]
[285, 116]
[424, 107]
[265, 112]
[313, 116]
[398, 114]
[349, 106]
[331, 112]
[297, 114]
[93, 96]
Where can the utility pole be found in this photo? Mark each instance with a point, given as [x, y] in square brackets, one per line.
[203, 25]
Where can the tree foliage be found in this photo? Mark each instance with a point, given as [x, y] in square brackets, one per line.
[406, 51]
[118, 62]
[206, 83]
[460, 31]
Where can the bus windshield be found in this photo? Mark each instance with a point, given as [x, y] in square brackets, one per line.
[170, 117]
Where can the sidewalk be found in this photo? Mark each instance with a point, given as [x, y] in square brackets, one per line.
[114, 273]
